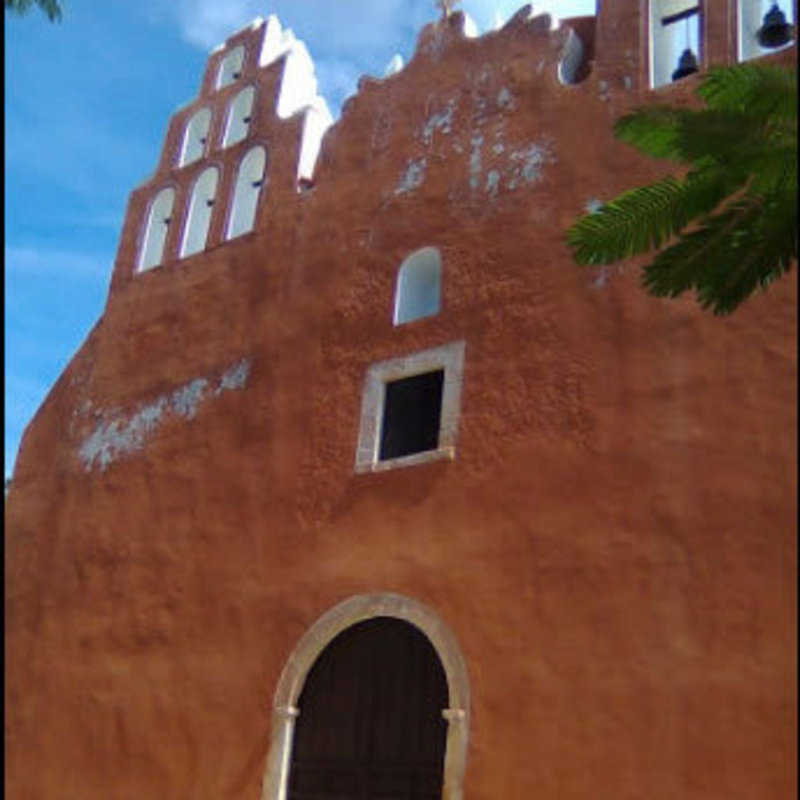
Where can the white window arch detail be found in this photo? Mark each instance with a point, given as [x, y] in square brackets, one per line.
[201, 207]
[239, 116]
[418, 290]
[230, 70]
[750, 18]
[246, 192]
[195, 137]
[155, 234]
[320, 634]
[571, 59]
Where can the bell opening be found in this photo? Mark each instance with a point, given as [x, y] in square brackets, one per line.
[687, 64]
[775, 31]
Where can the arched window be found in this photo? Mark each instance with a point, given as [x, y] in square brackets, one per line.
[155, 235]
[239, 116]
[370, 717]
[230, 69]
[195, 137]
[246, 192]
[200, 208]
[418, 290]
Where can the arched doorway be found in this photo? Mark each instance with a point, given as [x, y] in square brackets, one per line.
[370, 721]
[346, 615]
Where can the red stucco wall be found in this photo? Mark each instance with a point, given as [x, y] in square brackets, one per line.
[614, 545]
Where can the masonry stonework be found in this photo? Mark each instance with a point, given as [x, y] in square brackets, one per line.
[612, 544]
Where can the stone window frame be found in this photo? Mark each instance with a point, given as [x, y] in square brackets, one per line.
[342, 616]
[448, 357]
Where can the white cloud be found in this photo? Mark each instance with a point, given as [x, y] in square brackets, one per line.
[207, 23]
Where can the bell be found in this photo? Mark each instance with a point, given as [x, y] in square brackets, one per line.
[775, 32]
[686, 65]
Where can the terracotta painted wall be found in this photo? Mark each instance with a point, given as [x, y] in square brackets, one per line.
[614, 544]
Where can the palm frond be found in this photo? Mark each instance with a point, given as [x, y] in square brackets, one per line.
[723, 136]
[653, 131]
[50, 7]
[647, 217]
[760, 90]
[749, 244]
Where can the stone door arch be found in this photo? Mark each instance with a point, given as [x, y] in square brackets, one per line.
[315, 640]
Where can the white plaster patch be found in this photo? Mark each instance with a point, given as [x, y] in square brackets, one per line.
[235, 377]
[593, 205]
[413, 177]
[492, 183]
[124, 435]
[527, 163]
[475, 161]
[184, 401]
[504, 99]
[601, 280]
[440, 121]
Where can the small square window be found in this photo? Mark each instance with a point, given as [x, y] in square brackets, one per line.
[410, 409]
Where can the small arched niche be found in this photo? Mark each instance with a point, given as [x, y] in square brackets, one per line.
[249, 181]
[239, 117]
[413, 654]
[155, 235]
[201, 207]
[230, 69]
[195, 137]
[418, 289]
[571, 62]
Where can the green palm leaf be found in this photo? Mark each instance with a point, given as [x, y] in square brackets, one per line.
[739, 199]
[645, 218]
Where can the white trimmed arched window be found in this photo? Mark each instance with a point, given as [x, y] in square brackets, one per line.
[200, 209]
[195, 137]
[418, 291]
[155, 234]
[239, 117]
[246, 192]
[230, 69]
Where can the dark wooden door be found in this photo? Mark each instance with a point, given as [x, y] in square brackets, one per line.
[370, 724]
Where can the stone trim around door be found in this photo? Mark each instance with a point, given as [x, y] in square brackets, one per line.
[320, 634]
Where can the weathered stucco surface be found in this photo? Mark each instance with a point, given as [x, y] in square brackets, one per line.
[613, 545]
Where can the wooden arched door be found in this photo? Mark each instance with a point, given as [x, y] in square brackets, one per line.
[370, 724]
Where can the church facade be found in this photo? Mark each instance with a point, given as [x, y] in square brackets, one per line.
[361, 489]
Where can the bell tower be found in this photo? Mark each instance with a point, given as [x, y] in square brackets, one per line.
[653, 44]
[231, 158]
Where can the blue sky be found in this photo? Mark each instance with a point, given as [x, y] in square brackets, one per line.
[87, 103]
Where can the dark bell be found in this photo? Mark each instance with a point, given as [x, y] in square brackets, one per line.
[775, 32]
[686, 65]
